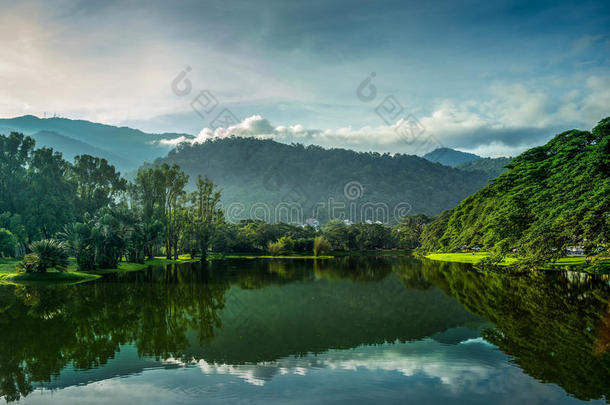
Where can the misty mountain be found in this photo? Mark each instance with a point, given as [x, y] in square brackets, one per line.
[262, 177]
[450, 157]
[124, 147]
[71, 147]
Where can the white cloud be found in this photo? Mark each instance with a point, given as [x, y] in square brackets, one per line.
[512, 120]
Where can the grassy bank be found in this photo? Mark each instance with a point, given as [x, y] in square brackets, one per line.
[10, 275]
[578, 263]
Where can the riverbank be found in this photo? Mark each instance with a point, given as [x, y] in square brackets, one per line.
[10, 275]
[578, 263]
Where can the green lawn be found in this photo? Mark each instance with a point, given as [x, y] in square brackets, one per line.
[10, 275]
[474, 258]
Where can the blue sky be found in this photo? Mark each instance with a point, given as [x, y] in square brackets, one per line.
[490, 77]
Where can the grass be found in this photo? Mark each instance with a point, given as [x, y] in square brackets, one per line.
[10, 275]
[7, 265]
[50, 277]
[472, 258]
[574, 263]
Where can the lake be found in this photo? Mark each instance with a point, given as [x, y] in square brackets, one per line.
[346, 330]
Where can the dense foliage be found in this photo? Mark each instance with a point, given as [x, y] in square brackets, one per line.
[102, 219]
[264, 173]
[492, 166]
[552, 197]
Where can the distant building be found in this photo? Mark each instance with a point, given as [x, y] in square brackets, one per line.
[575, 251]
[347, 222]
[313, 223]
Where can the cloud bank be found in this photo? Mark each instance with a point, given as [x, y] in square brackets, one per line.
[512, 120]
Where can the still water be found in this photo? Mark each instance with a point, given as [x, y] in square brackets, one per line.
[346, 330]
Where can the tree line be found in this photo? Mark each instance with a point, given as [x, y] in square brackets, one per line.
[51, 208]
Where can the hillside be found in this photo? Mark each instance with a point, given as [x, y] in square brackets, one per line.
[450, 157]
[126, 148]
[267, 173]
[551, 197]
[492, 166]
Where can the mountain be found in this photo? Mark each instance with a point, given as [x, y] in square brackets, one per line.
[551, 197]
[124, 147]
[264, 179]
[70, 147]
[492, 166]
[450, 157]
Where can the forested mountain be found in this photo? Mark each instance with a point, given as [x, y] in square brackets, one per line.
[253, 171]
[551, 197]
[492, 166]
[450, 157]
[123, 147]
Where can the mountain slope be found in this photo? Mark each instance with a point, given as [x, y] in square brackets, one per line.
[551, 197]
[127, 148]
[267, 174]
[492, 166]
[450, 157]
[70, 147]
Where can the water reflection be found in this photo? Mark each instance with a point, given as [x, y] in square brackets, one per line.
[256, 320]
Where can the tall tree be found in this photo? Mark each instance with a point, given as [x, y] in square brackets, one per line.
[206, 213]
[97, 183]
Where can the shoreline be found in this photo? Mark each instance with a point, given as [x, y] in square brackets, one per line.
[572, 263]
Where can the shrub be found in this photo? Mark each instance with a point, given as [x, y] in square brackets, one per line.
[287, 243]
[51, 253]
[320, 246]
[29, 264]
[8, 243]
[275, 248]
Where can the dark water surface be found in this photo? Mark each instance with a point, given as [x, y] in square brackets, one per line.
[348, 330]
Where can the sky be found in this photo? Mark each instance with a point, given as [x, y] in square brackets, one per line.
[493, 78]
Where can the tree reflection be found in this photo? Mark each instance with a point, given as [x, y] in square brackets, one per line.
[556, 325]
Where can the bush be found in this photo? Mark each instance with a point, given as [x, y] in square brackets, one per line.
[303, 245]
[275, 248]
[29, 264]
[8, 243]
[320, 246]
[51, 253]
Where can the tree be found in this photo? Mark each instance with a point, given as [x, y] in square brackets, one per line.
[320, 246]
[410, 229]
[206, 213]
[275, 248]
[50, 194]
[174, 181]
[46, 253]
[97, 183]
[7, 243]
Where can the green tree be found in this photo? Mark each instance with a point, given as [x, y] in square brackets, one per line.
[206, 213]
[410, 229]
[8, 243]
[320, 246]
[46, 253]
[97, 183]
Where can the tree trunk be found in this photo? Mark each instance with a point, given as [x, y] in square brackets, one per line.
[204, 252]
